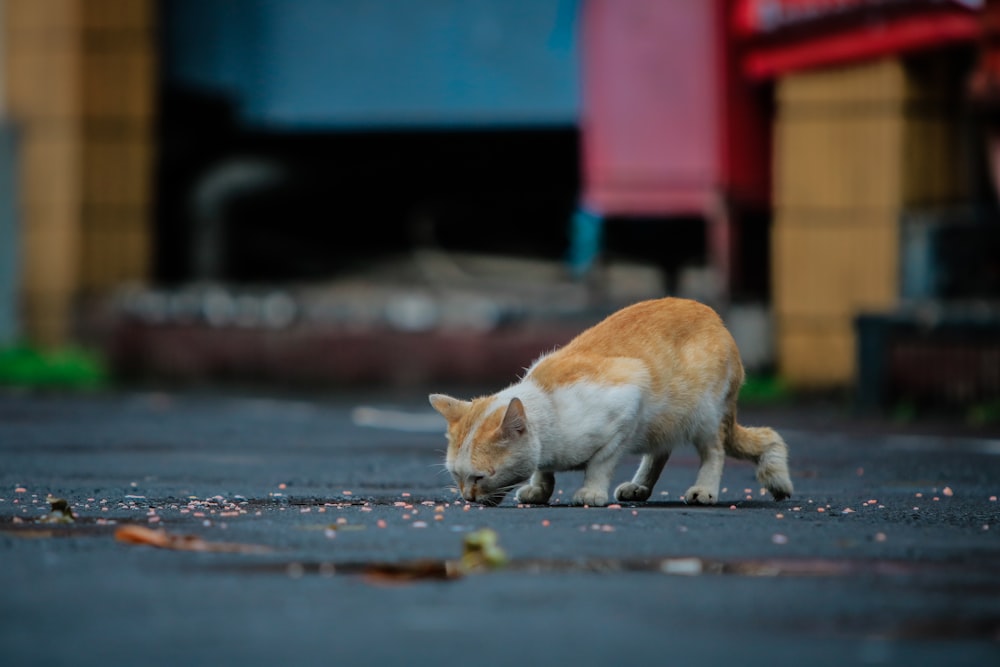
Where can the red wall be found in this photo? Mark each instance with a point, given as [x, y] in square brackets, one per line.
[669, 123]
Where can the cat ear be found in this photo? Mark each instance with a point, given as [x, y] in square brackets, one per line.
[453, 409]
[515, 422]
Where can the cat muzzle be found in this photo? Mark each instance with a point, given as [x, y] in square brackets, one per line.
[489, 499]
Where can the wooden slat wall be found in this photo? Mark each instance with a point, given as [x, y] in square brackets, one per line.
[854, 148]
[81, 90]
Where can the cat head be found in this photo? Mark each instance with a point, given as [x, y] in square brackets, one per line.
[490, 445]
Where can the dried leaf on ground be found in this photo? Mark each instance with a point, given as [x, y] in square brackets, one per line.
[164, 540]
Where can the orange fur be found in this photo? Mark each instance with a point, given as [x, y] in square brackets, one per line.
[649, 377]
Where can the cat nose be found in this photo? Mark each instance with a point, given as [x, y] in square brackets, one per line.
[471, 488]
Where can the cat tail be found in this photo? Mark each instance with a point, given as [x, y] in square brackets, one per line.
[766, 449]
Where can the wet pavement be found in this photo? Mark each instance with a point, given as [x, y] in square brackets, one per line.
[323, 530]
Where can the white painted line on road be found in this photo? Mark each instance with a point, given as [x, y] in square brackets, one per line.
[398, 420]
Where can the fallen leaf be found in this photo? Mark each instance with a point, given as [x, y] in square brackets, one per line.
[162, 539]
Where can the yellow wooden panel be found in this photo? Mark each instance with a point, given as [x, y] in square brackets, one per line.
[80, 82]
[118, 14]
[119, 83]
[117, 172]
[42, 18]
[115, 247]
[49, 171]
[888, 82]
[90, 260]
[48, 317]
[839, 161]
[834, 270]
[816, 354]
[50, 257]
[870, 135]
[43, 81]
[827, 89]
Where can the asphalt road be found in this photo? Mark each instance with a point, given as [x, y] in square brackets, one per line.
[346, 539]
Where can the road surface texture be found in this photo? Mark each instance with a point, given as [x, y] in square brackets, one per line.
[323, 531]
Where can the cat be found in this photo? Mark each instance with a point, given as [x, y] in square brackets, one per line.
[649, 377]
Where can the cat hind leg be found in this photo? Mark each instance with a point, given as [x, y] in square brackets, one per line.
[713, 458]
[768, 450]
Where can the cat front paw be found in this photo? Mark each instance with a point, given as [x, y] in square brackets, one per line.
[700, 495]
[632, 492]
[534, 494]
[591, 497]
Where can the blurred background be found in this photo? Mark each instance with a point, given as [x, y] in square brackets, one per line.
[330, 193]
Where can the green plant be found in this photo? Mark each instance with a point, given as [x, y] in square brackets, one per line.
[764, 389]
[64, 368]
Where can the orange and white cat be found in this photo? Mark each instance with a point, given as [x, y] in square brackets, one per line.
[650, 377]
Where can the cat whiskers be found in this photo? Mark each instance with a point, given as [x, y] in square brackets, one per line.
[509, 487]
[497, 495]
[441, 467]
